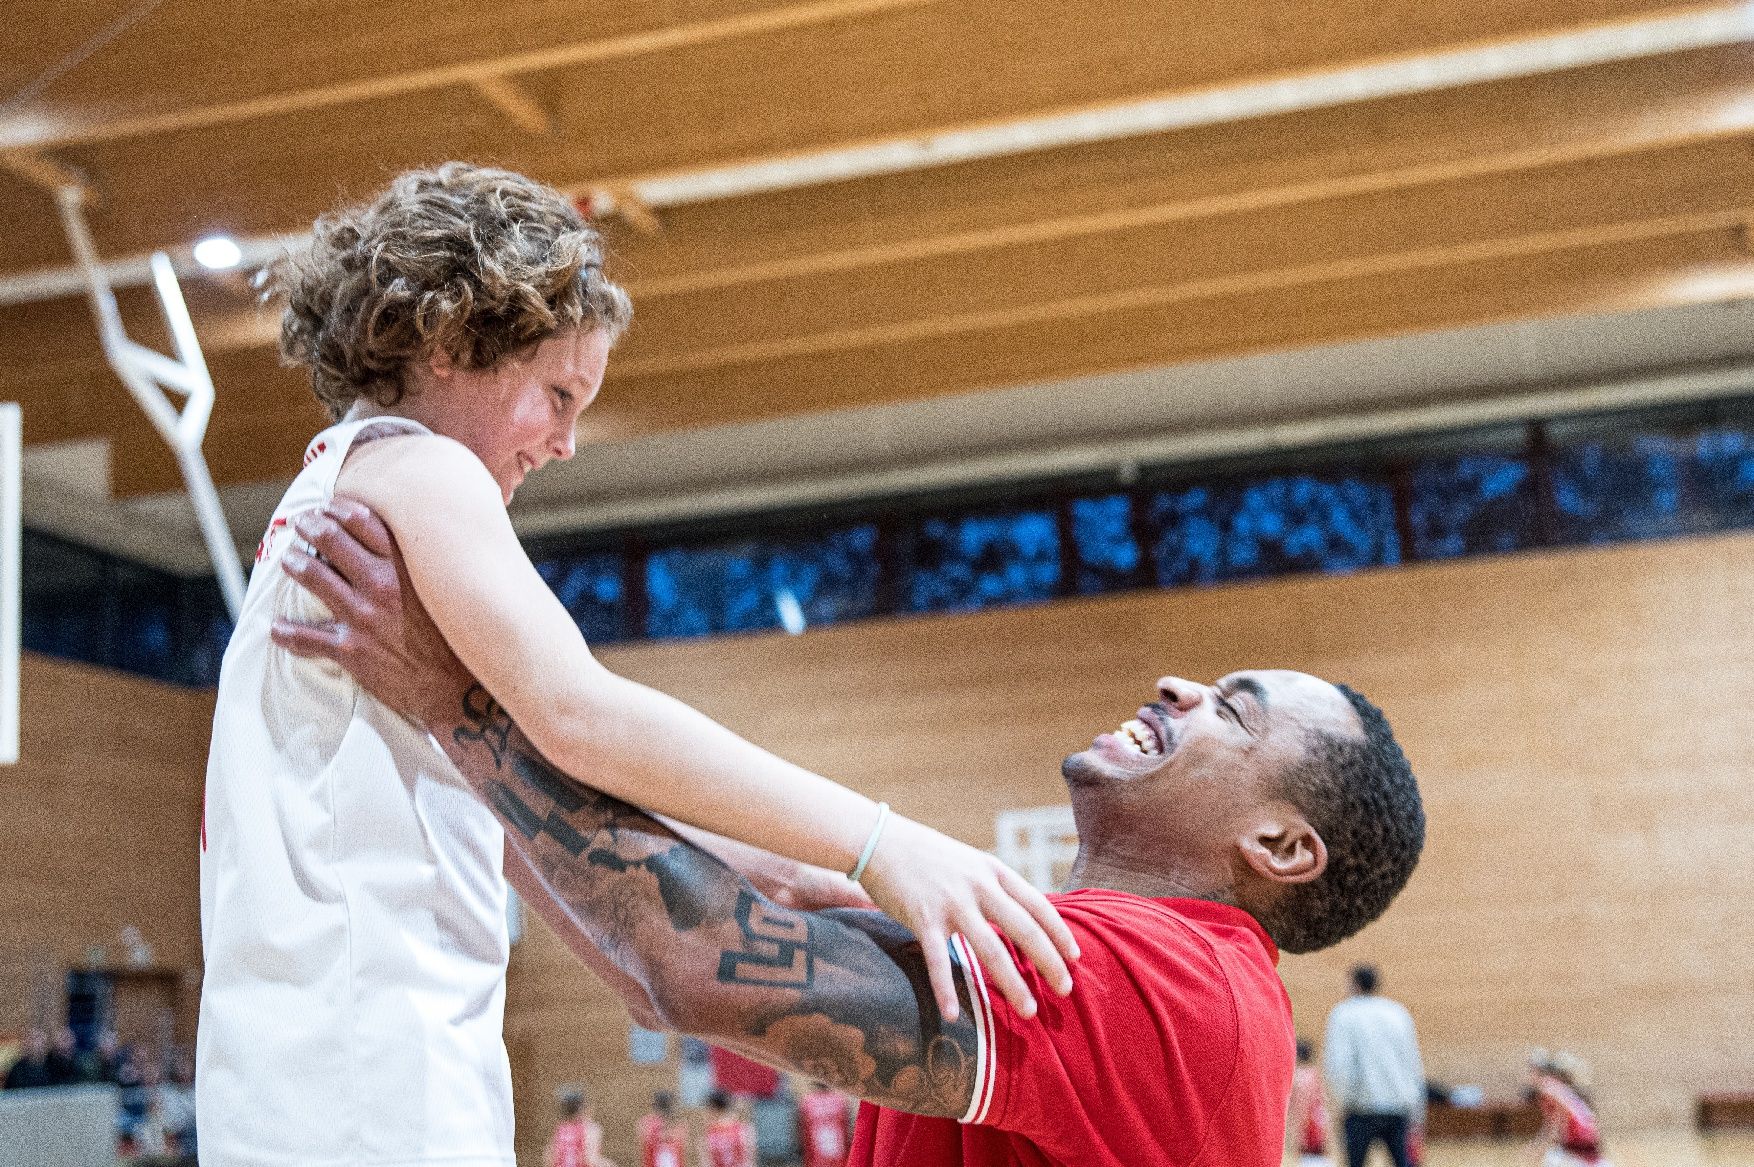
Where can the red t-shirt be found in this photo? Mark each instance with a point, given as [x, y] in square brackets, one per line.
[822, 1119]
[660, 1144]
[576, 1144]
[1565, 1108]
[735, 1074]
[728, 1144]
[1313, 1138]
[1175, 1047]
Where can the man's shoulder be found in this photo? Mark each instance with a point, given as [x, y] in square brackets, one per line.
[1130, 923]
[1200, 965]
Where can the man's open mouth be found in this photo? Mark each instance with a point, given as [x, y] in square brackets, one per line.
[1145, 734]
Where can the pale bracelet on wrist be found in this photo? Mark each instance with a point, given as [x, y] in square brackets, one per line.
[870, 844]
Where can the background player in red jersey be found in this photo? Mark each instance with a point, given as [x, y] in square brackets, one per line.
[1221, 822]
[578, 1139]
[1570, 1135]
[663, 1136]
[729, 1140]
[1308, 1120]
[823, 1118]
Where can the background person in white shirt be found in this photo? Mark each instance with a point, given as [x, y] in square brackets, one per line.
[1371, 1059]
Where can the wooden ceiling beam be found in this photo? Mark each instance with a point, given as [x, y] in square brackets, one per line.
[1592, 277]
[523, 110]
[1106, 187]
[1619, 200]
[1099, 187]
[645, 42]
[1573, 278]
[39, 169]
[884, 75]
[1680, 188]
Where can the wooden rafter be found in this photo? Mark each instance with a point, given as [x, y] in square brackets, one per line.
[505, 95]
[41, 170]
[1213, 287]
[471, 73]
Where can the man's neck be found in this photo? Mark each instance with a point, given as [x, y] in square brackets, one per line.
[1116, 873]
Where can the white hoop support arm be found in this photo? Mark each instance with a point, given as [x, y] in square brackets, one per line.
[151, 376]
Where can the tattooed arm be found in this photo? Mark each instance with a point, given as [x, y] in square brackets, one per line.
[840, 996]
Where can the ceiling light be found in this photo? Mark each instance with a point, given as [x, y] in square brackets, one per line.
[218, 252]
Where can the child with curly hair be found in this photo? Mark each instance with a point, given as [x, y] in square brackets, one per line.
[353, 901]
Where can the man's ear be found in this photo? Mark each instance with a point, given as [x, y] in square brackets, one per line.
[440, 364]
[1279, 845]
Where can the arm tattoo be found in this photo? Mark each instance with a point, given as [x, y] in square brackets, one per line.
[841, 996]
[776, 946]
[484, 721]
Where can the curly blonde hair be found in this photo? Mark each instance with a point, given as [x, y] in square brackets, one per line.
[474, 262]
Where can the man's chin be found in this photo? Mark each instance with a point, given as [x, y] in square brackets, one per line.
[1084, 769]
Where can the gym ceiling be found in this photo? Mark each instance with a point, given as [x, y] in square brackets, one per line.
[837, 210]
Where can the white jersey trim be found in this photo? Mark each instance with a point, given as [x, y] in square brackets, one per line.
[986, 1062]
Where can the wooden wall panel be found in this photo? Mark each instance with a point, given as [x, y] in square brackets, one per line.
[1579, 721]
[99, 826]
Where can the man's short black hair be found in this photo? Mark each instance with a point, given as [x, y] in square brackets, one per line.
[1365, 978]
[571, 1102]
[1360, 796]
[718, 1100]
[1304, 1052]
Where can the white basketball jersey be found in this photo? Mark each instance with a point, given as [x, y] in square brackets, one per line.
[353, 910]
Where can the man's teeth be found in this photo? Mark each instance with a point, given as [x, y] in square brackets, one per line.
[1137, 734]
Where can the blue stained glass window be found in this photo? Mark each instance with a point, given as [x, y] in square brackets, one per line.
[1475, 504]
[1106, 551]
[1653, 485]
[964, 562]
[591, 588]
[750, 584]
[145, 634]
[69, 625]
[1724, 475]
[210, 633]
[1288, 523]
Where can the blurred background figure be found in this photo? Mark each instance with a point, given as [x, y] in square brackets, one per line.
[663, 1136]
[150, 1137]
[1374, 1071]
[1570, 1135]
[62, 1064]
[1307, 1123]
[98, 1064]
[823, 1119]
[31, 1070]
[132, 1087]
[175, 1099]
[730, 1139]
[578, 1138]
